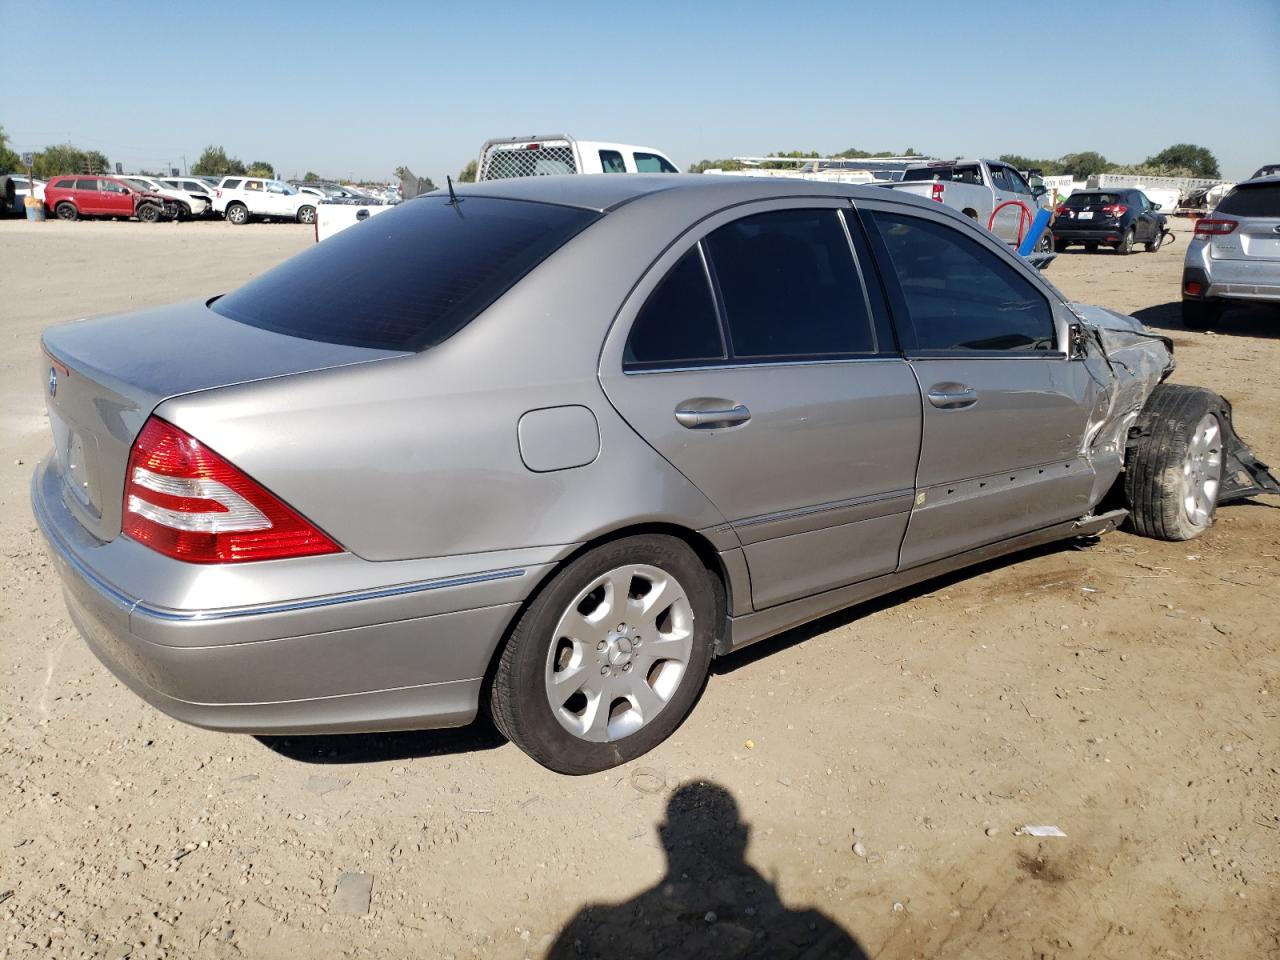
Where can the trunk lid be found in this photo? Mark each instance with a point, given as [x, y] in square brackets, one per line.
[103, 377]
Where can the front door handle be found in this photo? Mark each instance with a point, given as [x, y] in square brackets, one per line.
[952, 396]
[709, 413]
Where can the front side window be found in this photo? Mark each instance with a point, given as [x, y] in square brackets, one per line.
[960, 296]
[612, 162]
[790, 286]
[112, 187]
[652, 163]
[678, 324]
[426, 272]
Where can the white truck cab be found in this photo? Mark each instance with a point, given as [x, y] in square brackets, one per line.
[542, 156]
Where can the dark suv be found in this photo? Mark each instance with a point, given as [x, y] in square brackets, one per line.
[1118, 218]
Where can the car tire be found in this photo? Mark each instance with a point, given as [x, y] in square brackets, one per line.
[1060, 245]
[181, 211]
[66, 211]
[1091, 246]
[1125, 246]
[307, 214]
[1201, 314]
[593, 717]
[148, 213]
[1173, 473]
[1156, 242]
[238, 214]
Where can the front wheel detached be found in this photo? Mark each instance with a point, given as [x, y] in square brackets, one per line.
[1173, 474]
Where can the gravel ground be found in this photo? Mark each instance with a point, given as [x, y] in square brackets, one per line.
[854, 787]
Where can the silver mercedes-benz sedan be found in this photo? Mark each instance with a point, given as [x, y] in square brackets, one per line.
[547, 447]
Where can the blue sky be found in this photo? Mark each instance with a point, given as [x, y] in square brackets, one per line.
[357, 89]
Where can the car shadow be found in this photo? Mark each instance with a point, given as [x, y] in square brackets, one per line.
[841, 618]
[1243, 320]
[385, 747]
[710, 904]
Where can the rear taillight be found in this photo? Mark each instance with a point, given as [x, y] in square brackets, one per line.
[217, 193]
[1114, 210]
[1215, 228]
[1193, 288]
[1062, 210]
[936, 193]
[187, 502]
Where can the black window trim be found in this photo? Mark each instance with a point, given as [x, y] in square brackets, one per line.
[901, 316]
[882, 348]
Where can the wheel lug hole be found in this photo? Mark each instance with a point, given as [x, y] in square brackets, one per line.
[600, 645]
[604, 671]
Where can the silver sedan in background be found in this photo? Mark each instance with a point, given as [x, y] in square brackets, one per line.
[548, 446]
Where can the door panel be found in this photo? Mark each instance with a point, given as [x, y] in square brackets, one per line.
[819, 435]
[1009, 462]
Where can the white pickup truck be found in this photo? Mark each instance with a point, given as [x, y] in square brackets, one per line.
[978, 189]
[560, 154]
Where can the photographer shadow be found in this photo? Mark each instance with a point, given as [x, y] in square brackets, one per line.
[710, 905]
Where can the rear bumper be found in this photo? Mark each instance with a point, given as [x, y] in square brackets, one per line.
[402, 655]
[1109, 233]
[1265, 290]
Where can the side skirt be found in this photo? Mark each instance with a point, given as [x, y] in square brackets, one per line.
[751, 628]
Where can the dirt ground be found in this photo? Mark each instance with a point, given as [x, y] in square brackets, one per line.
[851, 788]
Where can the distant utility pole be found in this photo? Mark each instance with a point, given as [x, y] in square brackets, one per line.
[184, 164]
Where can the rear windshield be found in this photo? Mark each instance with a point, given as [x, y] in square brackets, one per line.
[966, 174]
[1078, 200]
[408, 279]
[1252, 201]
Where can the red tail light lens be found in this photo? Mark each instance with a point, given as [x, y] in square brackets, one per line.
[1114, 210]
[187, 502]
[936, 193]
[1062, 210]
[1193, 288]
[1215, 228]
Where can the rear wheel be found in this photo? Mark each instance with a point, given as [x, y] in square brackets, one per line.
[66, 211]
[148, 213]
[1174, 474]
[307, 215]
[238, 214]
[1155, 242]
[1201, 314]
[610, 657]
[1125, 246]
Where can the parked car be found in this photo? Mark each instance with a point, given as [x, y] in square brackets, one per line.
[335, 216]
[989, 191]
[1115, 217]
[1234, 256]
[549, 446]
[185, 203]
[22, 188]
[1266, 170]
[194, 186]
[334, 193]
[84, 195]
[241, 199]
[542, 156]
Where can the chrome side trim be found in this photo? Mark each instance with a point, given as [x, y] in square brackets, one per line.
[802, 519]
[227, 613]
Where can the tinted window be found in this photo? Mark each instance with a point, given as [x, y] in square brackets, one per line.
[612, 161]
[960, 295]
[999, 179]
[652, 163]
[1252, 201]
[1015, 181]
[790, 286]
[947, 172]
[230, 184]
[1078, 201]
[410, 278]
[65, 184]
[678, 323]
[86, 183]
[112, 187]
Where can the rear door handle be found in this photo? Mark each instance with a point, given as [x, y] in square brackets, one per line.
[952, 396]
[710, 413]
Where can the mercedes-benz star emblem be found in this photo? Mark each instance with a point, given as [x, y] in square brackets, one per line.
[53, 381]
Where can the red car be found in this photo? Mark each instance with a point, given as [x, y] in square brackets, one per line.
[82, 195]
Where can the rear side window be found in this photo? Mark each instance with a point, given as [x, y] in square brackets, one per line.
[1252, 201]
[790, 286]
[408, 279]
[255, 185]
[678, 323]
[612, 162]
[65, 184]
[960, 296]
[85, 183]
[230, 184]
[652, 163]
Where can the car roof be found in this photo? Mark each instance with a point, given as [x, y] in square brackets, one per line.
[602, 192]
[1268, 181]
